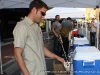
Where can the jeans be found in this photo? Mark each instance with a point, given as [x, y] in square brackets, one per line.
[92, 38]
[66, 44]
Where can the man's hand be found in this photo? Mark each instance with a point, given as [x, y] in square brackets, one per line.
[56, 35]
[60, 59]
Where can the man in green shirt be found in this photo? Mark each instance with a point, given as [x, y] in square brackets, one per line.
[29, 49]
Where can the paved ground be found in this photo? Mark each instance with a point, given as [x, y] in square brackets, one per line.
[7, 52]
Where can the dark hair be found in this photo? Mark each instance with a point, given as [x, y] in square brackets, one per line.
[93, 18]
[68, 18]
[56, 16]
[37, 4]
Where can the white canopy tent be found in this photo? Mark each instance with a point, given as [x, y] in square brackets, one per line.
[54, 3]
[65, 12]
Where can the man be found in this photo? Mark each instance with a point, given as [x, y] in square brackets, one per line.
[29, 50]
[93, 29]
[68, 26]
[56, 30]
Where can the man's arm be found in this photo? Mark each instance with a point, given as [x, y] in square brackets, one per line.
[52, 55]
[60, 27]
[20, 61]
[95, 25]
[54, 32]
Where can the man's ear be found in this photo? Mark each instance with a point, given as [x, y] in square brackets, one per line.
[34, 10]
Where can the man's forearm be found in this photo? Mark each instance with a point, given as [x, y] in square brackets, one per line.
[21, 62]
[54, 32]
[49, 54]
[95, 25]
[52, 55]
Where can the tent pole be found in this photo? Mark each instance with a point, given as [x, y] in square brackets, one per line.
[0, 59]
[82, 27]
[97, 11]
[86, 29]
[97, 30]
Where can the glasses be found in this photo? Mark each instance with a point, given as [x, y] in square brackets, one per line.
[43, 13]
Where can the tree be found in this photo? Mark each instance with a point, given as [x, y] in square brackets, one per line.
[88, 17]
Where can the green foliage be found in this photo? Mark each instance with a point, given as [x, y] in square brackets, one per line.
[88, 17]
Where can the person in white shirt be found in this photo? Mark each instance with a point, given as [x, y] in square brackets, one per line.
[93, 29]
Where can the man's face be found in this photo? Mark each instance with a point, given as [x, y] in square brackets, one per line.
[93, 19]
[57, 18]
[39, 15]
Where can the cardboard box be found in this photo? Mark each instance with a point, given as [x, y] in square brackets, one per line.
[59, 68]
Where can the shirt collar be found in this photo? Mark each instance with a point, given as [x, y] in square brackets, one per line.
[28, 21]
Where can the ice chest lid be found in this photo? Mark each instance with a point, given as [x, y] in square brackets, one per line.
[87, 56]
[75, 38]
[86, 49]
[81, 42]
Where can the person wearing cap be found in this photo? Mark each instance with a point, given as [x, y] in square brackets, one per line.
[29, 49]
[66, 24]
[20, 19]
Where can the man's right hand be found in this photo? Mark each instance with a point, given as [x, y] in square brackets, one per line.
[18, 56]
[56, 35]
